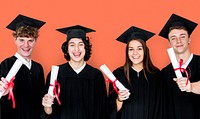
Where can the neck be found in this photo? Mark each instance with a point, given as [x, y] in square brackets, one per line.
[185, 56]
[27, 59]
[138, 68]
[76, 65]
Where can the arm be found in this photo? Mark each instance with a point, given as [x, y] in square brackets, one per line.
[123, 95]
[4, 86]
[48, 110]
[119, 104]
[47, 102]
[5, 67]
[193, 87]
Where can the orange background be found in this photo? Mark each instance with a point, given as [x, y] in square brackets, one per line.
[108, 17]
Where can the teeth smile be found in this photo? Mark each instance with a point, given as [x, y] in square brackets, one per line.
[77, 54]
[135, 57]
[25, 50]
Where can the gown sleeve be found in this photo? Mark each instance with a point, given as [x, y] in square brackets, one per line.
[112, 106]
[55, 107]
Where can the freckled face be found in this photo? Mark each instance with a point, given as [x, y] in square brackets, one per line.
[25, 46]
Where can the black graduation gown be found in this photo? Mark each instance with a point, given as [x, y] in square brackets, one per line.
[83, 95]
[178, 104]
[145, 99]
[29, 87]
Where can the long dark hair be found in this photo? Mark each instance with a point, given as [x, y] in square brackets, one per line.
[147, 63]
[88, 48]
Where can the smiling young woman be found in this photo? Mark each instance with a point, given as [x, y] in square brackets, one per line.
[142, 79]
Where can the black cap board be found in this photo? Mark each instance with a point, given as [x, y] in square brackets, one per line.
[22, 20]
[76, 31]
[135, 33]
[176, 20]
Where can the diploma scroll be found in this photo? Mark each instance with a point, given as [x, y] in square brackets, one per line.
[13, 71]
[53, 78]
[173, 60]
[110, 75]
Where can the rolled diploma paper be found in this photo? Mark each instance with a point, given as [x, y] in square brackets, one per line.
[13, 71]
[110, 75]
[53, 78]
[173, 60]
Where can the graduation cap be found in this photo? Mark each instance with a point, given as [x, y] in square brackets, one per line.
[176, 20]
[135, 33]
[76, 31]
[22, 20]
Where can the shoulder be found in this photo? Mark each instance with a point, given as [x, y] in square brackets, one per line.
[167, 68]
[34, 63]
[7, 64]
[92, 69]
[9, 60]
[91, 72]
[64, 66]
[195, 63]
[196, 57]
[119, 71]
[157, 74]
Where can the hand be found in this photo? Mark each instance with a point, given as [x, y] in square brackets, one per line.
[47, 100]
[123, 95]
[181, 82]
[3, 86]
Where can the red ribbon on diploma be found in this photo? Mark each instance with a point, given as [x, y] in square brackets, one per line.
[182, 70]
[114, 85]
[55, 91]
[11, 95]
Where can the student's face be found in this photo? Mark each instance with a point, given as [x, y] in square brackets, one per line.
[25, 46]
[76, 50]
[136, 52]
[179, 40]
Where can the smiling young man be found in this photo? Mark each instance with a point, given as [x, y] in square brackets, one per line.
[181, 99]
[28, 88]
[25, 46]
[82, 87]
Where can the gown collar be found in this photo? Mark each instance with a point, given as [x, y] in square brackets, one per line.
[187, 62]
[27, 64]
[138, 72]
[80, 69]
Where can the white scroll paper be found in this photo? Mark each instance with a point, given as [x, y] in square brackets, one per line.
[110, 75]
[174, 62]
[53, 78]
[13, 71]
